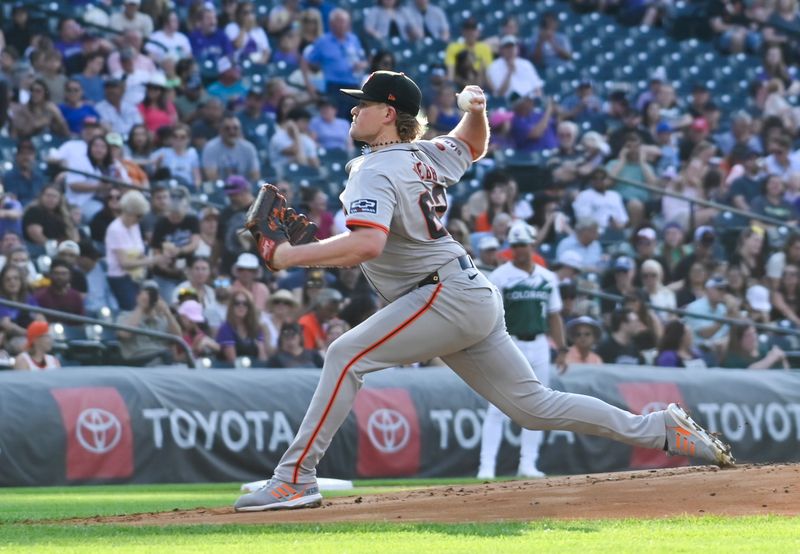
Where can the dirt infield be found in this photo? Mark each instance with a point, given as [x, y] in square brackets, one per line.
[744, 490]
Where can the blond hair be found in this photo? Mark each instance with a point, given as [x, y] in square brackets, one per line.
[410, 127]
[133, 202]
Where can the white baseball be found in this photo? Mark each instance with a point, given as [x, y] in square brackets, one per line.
[465, 99]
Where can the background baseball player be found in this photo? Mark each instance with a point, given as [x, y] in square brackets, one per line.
[392, 198]
[533, 310]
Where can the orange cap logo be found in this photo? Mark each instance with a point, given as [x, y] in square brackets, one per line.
[391, 97]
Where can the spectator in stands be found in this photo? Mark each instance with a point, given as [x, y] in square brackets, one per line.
[14, 322]
[207, 40]
[130, 18]
[209, 245]
[549, 48]
[39, 115]
[125, 251]
[291, 142]
[75, 108]
[311, 28]
[510, 76]
[329, 131]
[290, 351]
[757, 305]
[711, 335]
[240, 197]
[157, 109]
[114, 111]
[247, 272]
[704, 243]
[745, 351]
[129, 60]
[583, 106]
[534, 130]
[647, 339]
[734, 29]
[750, 253]
[230, 154]
[179, 158]
[599, 204]
[386, 20]
[693, 286]
[69, 252]
[672, 249]
[341, 58]
[464, 72]
[36, 356]
[175, 239]
[676, 348]
[443, 113]
[282, 305]
[169, 40]
[20, 29]
[102, 219]
[241, 335]
[282, 16]
[631, 165]
[583, 332]
[777, 262]
[90, 77]
[315, 204]
[199, 276]
[426, 20]
[248, 39]
[257, 126]
[229, 86]
[11, 212]
[83, 188]
[567, 163]
[208, 122]
[51, 72]
[468, 41]
[324, 307]
[584, 242]
[771, 202]
[493, 199]
[47, 218]
[194, 330]
[60, 295]
[785, 299]
[152, 313]
[487, 254]
[24, 180]
[658, 295]
[619, 347]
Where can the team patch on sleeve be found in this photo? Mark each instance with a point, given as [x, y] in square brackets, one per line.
[443, 142]
[363, 206]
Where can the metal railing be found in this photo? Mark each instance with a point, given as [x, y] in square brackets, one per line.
[705, 203]
[766, 327]
[177, 340]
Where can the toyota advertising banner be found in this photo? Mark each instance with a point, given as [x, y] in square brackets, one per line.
[107, 425]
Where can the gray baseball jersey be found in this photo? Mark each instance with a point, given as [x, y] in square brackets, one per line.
[400, 190]
[458, 317]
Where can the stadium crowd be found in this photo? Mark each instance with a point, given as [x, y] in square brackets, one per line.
[135, 133]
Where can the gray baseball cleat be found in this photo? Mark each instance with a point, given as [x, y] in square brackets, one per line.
[279, 495]
[686, 438]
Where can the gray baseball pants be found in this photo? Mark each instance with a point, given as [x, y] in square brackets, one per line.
[460, 320]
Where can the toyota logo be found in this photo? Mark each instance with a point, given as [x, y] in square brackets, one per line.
[98, 431]
[653, 407]
[388, 430]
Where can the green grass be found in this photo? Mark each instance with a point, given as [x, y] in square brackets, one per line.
[23, 509]
[708, 534]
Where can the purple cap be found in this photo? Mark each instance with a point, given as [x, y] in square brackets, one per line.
[236, 184]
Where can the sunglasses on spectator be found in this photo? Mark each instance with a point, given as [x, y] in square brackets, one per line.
[181, 135]
[240, 302]
[584, 334]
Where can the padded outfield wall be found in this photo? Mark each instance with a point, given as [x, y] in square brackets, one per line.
[101, 425]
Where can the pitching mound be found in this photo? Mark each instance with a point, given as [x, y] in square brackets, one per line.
[744, 490]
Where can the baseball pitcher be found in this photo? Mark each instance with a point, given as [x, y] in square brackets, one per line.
[393, 198]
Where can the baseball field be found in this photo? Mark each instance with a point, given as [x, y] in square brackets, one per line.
[693, 509]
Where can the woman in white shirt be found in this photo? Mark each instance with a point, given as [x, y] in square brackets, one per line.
[175, 44]
[659, 295]
[125, 251]
[249, 40]
[180, 158]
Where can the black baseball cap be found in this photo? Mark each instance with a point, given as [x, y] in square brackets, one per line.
[389, 87]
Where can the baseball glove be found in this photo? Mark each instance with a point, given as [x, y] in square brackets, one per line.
[299, 228]
[265, 222]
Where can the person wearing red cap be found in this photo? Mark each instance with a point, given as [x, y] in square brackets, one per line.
[37, 356]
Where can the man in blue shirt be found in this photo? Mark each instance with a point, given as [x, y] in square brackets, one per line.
[342, 59]
[533, 130]
[208, 41]
[24, 180]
